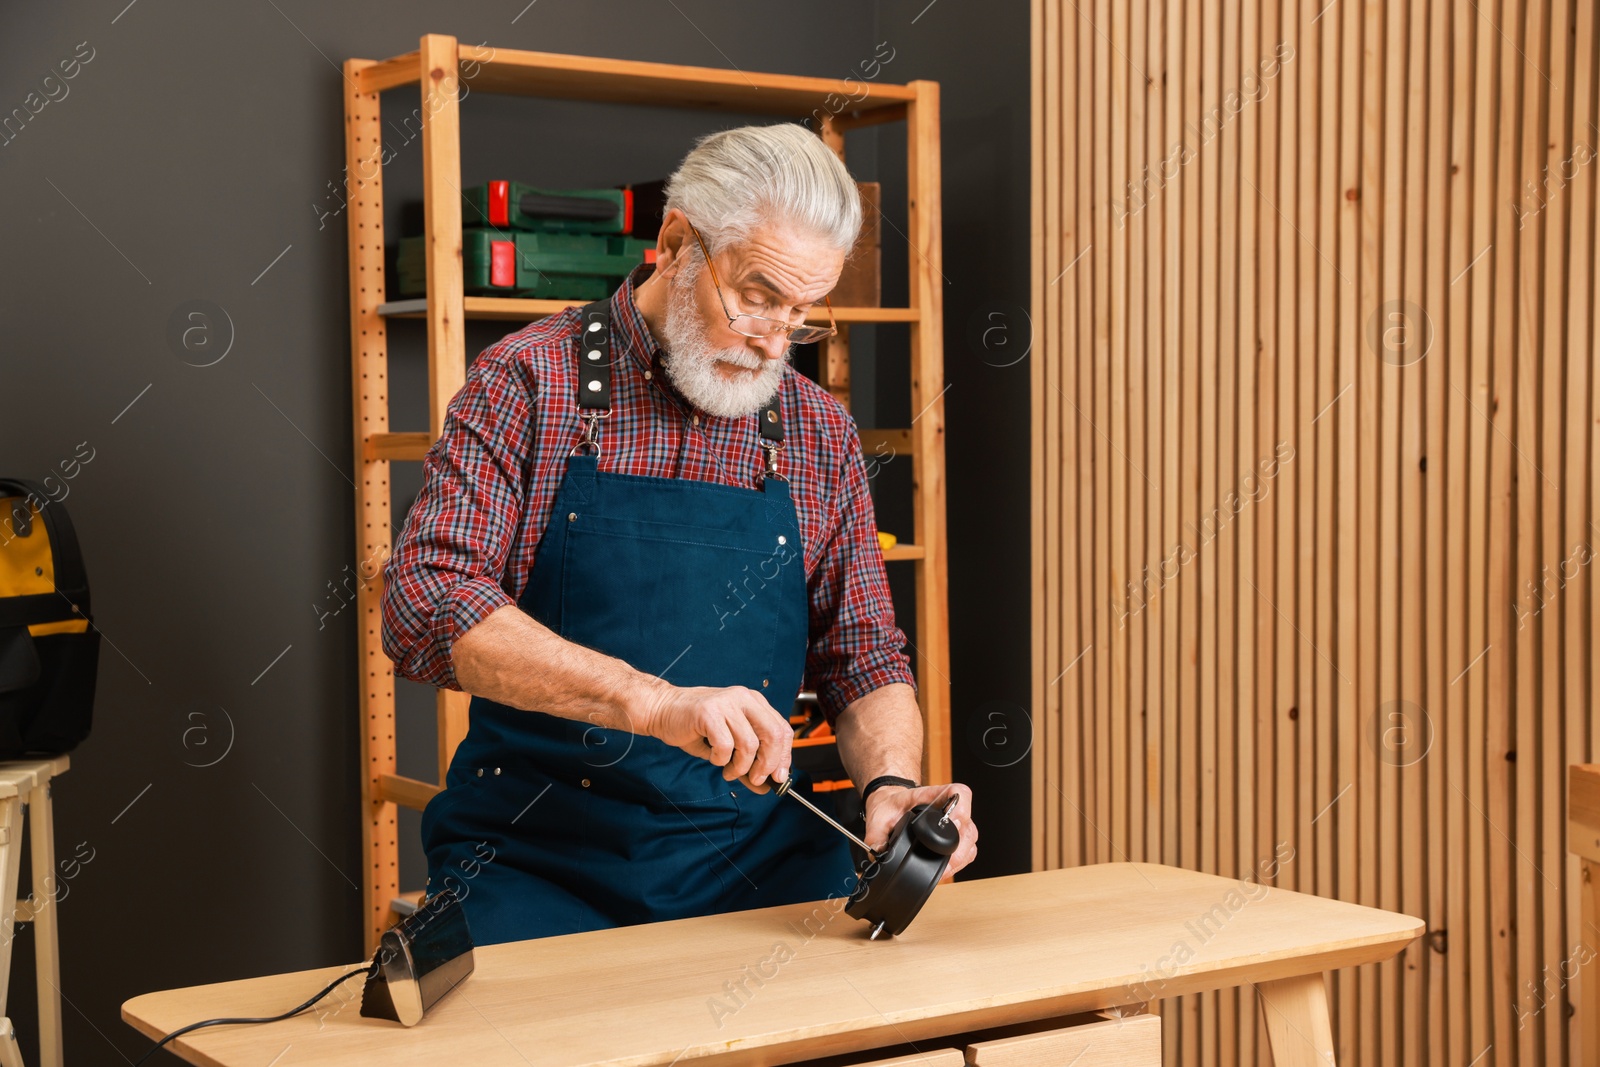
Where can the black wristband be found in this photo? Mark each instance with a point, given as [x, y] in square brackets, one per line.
[885, 779]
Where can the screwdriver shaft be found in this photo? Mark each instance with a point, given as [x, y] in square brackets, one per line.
[783, 790]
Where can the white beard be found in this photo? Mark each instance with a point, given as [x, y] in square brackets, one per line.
[690, 361]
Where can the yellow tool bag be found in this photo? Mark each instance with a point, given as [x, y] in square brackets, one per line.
[49, 649]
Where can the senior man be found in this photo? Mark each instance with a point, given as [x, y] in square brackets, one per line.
[637, 535]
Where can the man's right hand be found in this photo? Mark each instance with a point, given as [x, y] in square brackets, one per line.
[733, 728]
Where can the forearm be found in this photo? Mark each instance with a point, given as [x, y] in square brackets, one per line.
[513, 659]
[881, 733]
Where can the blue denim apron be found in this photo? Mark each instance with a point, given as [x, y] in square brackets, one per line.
[549, 825]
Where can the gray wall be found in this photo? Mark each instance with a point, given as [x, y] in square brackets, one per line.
[193, 157]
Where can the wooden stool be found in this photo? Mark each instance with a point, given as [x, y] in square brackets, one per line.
[26, 783]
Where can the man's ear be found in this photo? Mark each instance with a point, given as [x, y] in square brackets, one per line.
[671, 241]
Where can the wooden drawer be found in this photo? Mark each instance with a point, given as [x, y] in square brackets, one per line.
[902, 1057]
[1129, 1041]
[944, 1057]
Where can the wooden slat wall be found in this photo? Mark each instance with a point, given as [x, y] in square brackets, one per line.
[1314, 483]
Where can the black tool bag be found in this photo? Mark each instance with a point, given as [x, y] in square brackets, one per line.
[49, 649]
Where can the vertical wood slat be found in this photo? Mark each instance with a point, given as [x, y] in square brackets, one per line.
[1575, 657]
[1378, 665]
[1099, 411]
[1113, 775]
[1437, 1036]
[1083, 483]
[1526, 533]
[1239, 1022]
[1043, 253]
[1272, 579]
[1155, 381]
[1225, 541]
[1550, 122]
[1456, 657]
[1410, 1042]
[1502, 657]
[1478, 389]
[1131, 758]
[1186, 1030]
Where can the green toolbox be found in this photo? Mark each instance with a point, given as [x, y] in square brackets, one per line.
[526, 207]
[552, 266]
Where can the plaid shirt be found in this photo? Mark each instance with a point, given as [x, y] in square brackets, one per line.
[490, 481]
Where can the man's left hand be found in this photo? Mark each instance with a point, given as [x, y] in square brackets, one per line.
[887, 803]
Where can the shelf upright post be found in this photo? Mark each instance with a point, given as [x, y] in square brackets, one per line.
[369, 391]
[833, 354]
[447, 343]
[925, 258]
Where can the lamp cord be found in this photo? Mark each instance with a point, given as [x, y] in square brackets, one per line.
[369, 969]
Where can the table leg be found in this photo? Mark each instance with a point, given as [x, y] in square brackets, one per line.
[1589, 984]
[1297, 1021]
[46, 945]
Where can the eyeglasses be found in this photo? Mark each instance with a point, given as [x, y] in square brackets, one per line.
[760, 325]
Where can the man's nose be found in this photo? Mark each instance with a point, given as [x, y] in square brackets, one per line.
[772, 345]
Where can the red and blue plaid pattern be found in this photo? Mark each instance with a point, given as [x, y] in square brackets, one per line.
[490, 480]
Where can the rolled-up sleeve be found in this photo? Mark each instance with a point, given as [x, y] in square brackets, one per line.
[855, 645]
[446, 574]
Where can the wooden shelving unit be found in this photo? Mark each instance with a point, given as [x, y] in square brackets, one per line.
[436, 68]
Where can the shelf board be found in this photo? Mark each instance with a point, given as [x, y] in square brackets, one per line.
[622, 81]
[883, 444]
[512, 309]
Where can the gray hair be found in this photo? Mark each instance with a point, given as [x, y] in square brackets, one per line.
[734, 181]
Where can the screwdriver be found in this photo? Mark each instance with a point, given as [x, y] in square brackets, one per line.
[783, 790]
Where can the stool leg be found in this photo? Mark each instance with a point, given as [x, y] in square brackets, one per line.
[47, 949]
[10, 871]
[10, 1055]
[1297, 1021]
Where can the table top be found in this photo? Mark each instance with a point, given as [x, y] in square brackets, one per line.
[754, 987]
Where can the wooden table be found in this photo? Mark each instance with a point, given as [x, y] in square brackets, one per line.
[779, 985]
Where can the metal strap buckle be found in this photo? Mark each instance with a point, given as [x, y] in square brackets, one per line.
[771, 449]
[591, 432]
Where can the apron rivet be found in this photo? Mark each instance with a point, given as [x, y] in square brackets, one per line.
[572, 516]
[764, 682]
[480, 772]
[497, 770]
[586, 783]
[593, 326]
[647, 376]
[782, 540]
